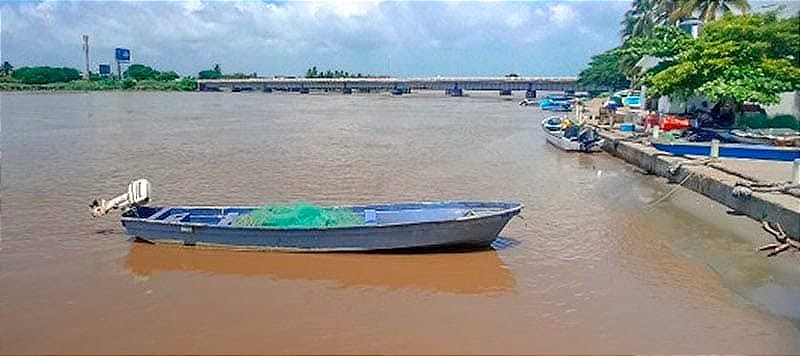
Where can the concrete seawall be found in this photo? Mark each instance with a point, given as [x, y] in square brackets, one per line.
[715, 183]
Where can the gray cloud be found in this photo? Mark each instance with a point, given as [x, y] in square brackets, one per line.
[406, 38]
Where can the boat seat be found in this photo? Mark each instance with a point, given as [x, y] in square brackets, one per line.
[227, 219]
[370, 216]
[176, 217]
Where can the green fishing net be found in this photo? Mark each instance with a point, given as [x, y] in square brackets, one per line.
[299, 215]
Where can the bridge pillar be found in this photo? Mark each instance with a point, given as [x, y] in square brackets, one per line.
[456, 91]
[505, 92]
[530, 93]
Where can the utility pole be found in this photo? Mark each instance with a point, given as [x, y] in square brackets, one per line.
[86, 56]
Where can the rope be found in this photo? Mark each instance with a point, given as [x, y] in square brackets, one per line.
[784, 241]
[653, 204]
[746, 189]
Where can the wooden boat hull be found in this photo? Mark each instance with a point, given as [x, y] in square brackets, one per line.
[760, 152]
[437, 225]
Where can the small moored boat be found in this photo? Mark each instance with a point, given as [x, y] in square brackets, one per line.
[384, 227]
[556, 103]
[583, 140]
[763, 136]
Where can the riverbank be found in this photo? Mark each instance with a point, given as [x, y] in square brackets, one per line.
[717, 180]
[104, 85]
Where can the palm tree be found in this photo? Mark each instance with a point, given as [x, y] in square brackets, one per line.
[707, 10]
[644, 15]
[6, 69]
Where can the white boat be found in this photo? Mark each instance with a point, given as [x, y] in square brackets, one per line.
[586, 140]
[552, 123]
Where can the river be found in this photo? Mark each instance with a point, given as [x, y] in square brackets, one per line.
[592, 267]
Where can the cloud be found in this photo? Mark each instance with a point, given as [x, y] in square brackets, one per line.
[562, 14]
[417, 38]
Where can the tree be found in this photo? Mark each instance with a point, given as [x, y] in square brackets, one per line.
[6, 69]
[749, 58]
[604, 70]
[644, 15]
[664, 42]
[707, 10]
[140, 72]
[214, 73]
[167, 76]
[209, 74]
[45, 75]
[615, 68]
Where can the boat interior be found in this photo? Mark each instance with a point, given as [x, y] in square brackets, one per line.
[373, 214]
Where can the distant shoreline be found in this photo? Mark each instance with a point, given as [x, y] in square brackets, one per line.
[102, 85]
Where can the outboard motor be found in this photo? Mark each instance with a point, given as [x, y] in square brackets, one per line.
[588, 138]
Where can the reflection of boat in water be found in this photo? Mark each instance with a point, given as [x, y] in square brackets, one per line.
[464, 273]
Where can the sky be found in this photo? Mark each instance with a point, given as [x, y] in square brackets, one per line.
[402, 39]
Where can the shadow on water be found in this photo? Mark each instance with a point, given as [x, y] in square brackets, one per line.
[473, 272]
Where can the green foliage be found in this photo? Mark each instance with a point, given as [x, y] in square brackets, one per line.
[6, 69]
[209, 74]
[185, 84]
[167, 76]
[140, 72]
[740, 59]
[645, 15]
[44, 75]
[314, 73]
[761, 121]
[128, 83]
[613, 68]
[707, 9]
[785, 121]
[604, 70]
[214, 73]
[663, 42]
[239, 75]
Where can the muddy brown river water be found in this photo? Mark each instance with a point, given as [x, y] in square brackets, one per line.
[591, 268]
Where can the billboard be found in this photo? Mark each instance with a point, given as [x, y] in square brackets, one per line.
[105, 69]
[122, 54]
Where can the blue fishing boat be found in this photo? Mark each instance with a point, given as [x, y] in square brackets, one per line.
[556, 103]
[632, 101]
[385, 226]
[730, 150]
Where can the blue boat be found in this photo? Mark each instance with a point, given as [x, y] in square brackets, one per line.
[387, 226]
[632, 101]
[556, 103]
[730, 150]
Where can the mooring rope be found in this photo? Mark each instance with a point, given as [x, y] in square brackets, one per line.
[784, 241]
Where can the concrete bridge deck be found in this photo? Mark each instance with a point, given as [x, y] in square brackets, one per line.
[503, 84]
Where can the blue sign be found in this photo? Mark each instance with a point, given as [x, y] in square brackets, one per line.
[105, 69]
[122, 54]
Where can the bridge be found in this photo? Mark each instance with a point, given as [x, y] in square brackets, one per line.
[452, 86]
